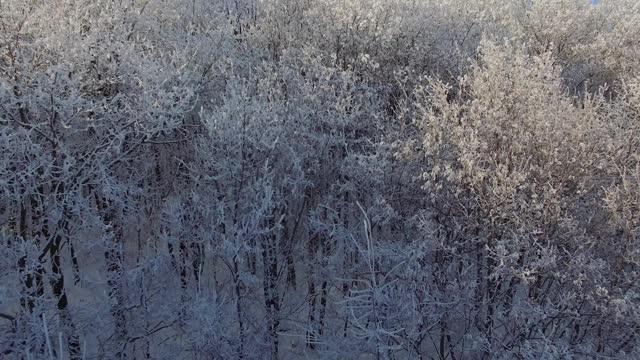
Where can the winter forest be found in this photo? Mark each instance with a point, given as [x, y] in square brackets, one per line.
[319, 179]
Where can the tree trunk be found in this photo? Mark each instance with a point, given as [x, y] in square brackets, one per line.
[239, 313]
[270, 287]
[58, 283]
[312, 248]
[114, 258]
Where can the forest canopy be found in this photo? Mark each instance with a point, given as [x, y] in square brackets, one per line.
[319, 179]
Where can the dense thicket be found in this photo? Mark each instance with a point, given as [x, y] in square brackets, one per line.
[323, 179]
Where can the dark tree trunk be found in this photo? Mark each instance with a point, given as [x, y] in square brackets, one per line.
[312, 248]
[58, 283]
[239, 313]
[114, 259]
[270, 287]
[327, 249]
[26, 300]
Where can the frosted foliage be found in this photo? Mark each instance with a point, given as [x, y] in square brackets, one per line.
[328, 179]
